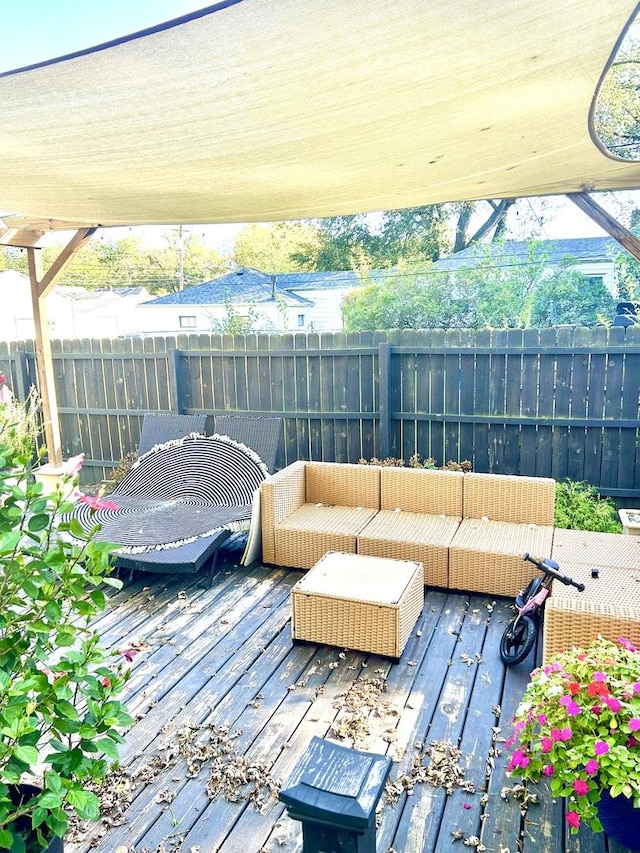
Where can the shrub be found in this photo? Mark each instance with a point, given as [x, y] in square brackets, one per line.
[580, 507]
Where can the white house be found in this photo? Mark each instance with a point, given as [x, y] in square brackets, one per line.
[74, 312]
[284, 302]
[593, 257]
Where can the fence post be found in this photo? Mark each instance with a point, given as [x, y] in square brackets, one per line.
[174, 379]
[384, 394]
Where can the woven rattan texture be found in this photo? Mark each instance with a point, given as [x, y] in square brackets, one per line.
[309, 532]
[609, 606]
[379, 625]
[280, 495]
[486, 556]
[422, 490]
[411, 536]
[607, 549]
[502, 497]
[338, 484]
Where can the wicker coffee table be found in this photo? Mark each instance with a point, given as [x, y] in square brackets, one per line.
[358, 602]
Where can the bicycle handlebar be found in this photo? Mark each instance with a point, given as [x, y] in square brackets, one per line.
[552, 568]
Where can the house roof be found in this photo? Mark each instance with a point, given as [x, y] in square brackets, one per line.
[519, 251]
[245, 286]
[267, 110]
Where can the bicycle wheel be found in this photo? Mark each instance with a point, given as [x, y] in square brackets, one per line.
[517, 640]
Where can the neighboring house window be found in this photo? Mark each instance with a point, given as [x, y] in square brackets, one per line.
[595, 279]
[187, 322]
[300, 320]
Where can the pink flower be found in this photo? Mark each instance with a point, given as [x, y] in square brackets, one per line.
[601, 747]
[614, 704]
[546, 744]
[129, 652]
[566, 733]
[632, 741]
[592, 766]
[105, 682]
[573, 709]
[73, 465]
[636, 687]
[542, 719]
[98, 503]
[599, 676]
[466, 805]
[573, 819]
[548, 770]
[627, 644]
[581, 787]
[634, 724]
[510, 742]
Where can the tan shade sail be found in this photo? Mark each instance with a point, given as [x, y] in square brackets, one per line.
[280, 109]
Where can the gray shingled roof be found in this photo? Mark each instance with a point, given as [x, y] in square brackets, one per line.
[253, 286]
[517, 251]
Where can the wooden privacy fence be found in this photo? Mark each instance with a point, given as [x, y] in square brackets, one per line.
[560, 402]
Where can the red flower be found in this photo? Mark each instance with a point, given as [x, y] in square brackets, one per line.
[573, 819]
[574, 688]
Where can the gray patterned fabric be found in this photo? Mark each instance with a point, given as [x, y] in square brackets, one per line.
[179, 492]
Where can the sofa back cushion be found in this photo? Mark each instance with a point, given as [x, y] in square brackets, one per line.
[422, 490]
[503, 497]
[342, 484]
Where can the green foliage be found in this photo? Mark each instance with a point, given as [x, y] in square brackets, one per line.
[491, 292]
[60, 720]
[108, 264]
[579, 507]
[234, 323]
[21, 425]
[617, 108]
[276, 248]
[577, 725]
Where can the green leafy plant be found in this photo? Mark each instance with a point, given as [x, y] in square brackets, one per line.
[21, 425]
[579, 507]
[578, 725]
[60, 719]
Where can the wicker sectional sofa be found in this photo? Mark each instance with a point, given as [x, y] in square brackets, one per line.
[468, 530]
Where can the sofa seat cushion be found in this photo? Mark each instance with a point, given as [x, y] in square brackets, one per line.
[595, 548]
[486, 556]
[309, 532]
[412, 536]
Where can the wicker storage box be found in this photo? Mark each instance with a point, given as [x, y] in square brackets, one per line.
[358, 602]
[609, 605]
[412, 536]
[486, 556]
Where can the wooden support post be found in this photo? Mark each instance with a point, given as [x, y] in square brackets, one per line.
[41, 285]
[44, 360]
[609, 223]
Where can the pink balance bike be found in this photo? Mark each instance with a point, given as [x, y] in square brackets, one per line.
[520, 634]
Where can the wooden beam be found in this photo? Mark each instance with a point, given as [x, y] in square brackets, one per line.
[46, 284]
[44, 361]
[608, 222]
[41, 285]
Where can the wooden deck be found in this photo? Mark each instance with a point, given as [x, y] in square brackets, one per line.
[220, 694]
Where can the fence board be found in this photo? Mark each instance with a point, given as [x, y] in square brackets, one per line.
[480, 458]
[513, 380]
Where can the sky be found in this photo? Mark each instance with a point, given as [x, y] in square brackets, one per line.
[38, 30]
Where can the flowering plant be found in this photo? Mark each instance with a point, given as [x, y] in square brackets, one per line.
[60, 719]
[578, 724]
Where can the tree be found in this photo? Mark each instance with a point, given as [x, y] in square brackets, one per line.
[107, 264]
[617, 108]
[492, 292]
[411, 236]
[275, 248]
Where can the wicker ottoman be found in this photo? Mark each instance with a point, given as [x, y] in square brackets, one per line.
[358, 602]
[609, 605]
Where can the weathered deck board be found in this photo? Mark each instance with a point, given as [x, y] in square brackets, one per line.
[223, 657]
